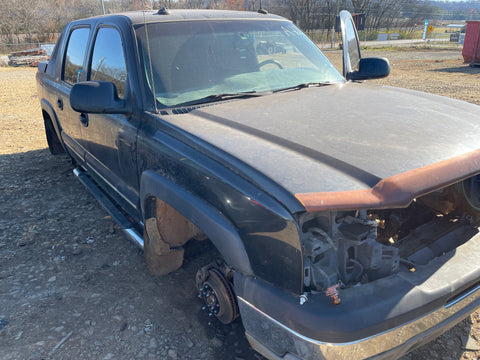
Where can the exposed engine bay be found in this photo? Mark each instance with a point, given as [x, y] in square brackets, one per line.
[355, 247]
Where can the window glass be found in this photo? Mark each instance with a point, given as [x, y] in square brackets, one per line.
[108, 60]
[193, 60]
[77, 45]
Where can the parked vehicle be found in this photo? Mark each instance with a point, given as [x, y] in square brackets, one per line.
[346, 213]
[268, 47]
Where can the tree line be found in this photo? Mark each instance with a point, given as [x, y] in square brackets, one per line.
[42, 20]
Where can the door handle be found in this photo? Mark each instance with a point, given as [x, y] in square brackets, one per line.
[60, 104]
[84, 119]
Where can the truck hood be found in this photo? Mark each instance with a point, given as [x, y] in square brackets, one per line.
[338, 138]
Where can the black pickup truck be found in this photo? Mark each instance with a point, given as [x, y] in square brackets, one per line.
[346, 214]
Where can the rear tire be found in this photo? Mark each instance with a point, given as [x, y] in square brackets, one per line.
[54, 144]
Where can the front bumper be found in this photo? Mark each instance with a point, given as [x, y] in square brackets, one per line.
[276, 341]
[385, 318]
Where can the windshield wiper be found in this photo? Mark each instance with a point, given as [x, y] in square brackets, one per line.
[224, 96]
[304, 85]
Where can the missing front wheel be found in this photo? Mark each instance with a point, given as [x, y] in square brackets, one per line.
[214, 284]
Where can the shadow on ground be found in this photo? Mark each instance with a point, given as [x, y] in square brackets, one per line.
[464, 69]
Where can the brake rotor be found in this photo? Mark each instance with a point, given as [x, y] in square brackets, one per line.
[217, 294]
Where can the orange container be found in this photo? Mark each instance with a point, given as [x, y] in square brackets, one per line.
[471, 46]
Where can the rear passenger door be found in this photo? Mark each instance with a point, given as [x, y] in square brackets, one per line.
[110, 139]
[72, 69]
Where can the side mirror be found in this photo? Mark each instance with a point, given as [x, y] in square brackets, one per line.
[97, 97]
[370, 68]
[354, 67]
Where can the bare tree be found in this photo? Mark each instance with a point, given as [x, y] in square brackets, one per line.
[359, 6]
[42, 20]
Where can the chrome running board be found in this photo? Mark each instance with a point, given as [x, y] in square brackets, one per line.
[125, 224]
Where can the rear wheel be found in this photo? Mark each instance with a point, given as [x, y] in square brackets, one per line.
[54, 144]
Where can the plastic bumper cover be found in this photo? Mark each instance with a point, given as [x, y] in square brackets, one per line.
[276, 341]
[384, 318]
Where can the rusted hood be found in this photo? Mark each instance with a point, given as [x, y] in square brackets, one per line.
[343, 138]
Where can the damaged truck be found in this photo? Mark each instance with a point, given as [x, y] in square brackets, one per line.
[346, 213]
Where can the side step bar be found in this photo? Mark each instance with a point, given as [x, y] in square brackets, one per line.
[122, 221]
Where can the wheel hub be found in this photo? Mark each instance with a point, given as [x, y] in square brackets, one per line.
[217, 293]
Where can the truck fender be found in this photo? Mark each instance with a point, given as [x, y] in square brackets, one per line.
[55, 143]
[209, 220]
[48, 108]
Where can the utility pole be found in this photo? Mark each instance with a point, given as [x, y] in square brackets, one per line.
[333, 26]
[333, 32]
[103, 7]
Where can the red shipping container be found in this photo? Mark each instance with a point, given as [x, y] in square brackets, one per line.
[471, 46]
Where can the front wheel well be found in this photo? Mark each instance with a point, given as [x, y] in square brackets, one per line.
[174, 228]
[220, 230]
[166, 232]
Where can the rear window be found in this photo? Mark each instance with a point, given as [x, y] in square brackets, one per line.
[75, 54]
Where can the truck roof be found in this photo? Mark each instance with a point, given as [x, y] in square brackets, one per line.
[152, 16]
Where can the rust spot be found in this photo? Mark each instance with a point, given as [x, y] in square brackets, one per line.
[398, 190]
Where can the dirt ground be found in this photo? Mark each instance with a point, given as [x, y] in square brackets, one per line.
[71, 285]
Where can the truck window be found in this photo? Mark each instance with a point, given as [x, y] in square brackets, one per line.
[76, 47]
[193, 60]
[108, 60]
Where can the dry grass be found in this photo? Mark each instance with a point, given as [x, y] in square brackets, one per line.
[21, 128]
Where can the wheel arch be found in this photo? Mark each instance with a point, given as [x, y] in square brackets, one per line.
[210, 221]
[52, 128]
[47, 110]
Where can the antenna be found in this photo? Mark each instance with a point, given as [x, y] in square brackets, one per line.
[262, 10]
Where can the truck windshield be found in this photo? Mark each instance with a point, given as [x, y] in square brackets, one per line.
[189, 61]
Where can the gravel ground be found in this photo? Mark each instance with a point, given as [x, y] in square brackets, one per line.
[72, 287]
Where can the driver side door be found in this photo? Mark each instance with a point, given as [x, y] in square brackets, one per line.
[110, 139]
